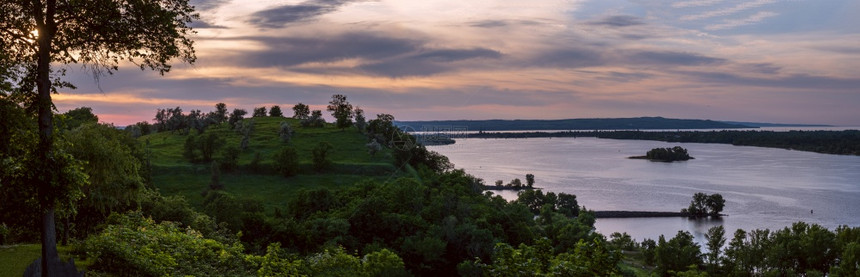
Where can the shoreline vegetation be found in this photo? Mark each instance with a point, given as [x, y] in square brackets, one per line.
[845, 142]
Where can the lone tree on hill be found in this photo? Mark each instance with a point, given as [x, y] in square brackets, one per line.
[341, 110]
[220, 113]
[301, 111]
[37, 34]
[275, 111]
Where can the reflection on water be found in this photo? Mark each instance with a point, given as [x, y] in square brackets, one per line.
[763, 187]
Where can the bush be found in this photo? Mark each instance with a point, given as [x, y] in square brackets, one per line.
[287, 161]
[229, 158]
[132, 245]
[321, 156]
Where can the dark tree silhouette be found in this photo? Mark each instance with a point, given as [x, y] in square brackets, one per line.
[37, 34]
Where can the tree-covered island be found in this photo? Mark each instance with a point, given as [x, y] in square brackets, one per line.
[673, 154]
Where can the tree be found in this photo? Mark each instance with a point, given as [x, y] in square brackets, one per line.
[678, 254]
[287, 161]
[148, 33]
[301, 111]
[285, 132]
[360, 121]
[275, 111]
[236, 116]
[341, 110]
[716, 239]
[321, 157]
[373, 147]
[260, 111]
[220, 113]
[315, 120]
[704, 205]
[530, 180]
[79, 116]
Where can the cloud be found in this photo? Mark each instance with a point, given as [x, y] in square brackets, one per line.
[287, 14]
[207, 5]
[618, 21]
[429, 62]
[200, 24]
[695, 3]
[794, 81]
[291, 51]
[569, 58]
[671, 58]
[732, 23]
[494, 23]
[728, 11]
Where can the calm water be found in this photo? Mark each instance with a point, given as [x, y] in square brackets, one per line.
[763, 187]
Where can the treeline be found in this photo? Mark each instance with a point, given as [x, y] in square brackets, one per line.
[828, 142]
[799, 250]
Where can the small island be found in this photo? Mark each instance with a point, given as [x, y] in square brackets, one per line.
[676, 153]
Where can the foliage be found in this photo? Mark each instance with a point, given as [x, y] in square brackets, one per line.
[79, 116]
[285, 132]
[205, 145]
[676, 153]
[113, 161]
[373, 147]
[341, 110]
[360, 121]
[315, 120]
[536, 200]
[678, 254]
[137, 246]
[236, 116]
[260, 111]
[704, 205]
[287, 161]
[220, 113]
[275, 111]
[301, 111]
[588, 259]
[321, 156]
[229, 160]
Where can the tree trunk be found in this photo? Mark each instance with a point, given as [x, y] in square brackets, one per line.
[47, 29]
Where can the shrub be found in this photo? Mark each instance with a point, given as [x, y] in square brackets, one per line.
[287, 161]
[229, 158]
[132, 245]
[321, 158]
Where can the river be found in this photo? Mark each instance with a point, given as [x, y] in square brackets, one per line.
[763, 187]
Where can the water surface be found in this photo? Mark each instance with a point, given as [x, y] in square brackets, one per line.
[763, 187]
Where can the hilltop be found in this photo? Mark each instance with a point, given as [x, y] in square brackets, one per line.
[174, 174]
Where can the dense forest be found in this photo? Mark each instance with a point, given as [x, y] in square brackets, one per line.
[218, 193]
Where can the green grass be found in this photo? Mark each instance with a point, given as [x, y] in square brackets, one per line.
[14, 259]
[174, 175]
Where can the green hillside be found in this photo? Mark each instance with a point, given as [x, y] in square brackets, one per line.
[174, 174]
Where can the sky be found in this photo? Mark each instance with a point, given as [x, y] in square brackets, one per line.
[778, 61]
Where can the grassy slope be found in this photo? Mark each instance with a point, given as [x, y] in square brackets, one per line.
[173, 174]
[14, 259]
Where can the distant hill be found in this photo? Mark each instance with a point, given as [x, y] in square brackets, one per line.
[760, 124]
[637, 123]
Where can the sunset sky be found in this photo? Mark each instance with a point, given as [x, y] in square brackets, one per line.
[781, 61]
